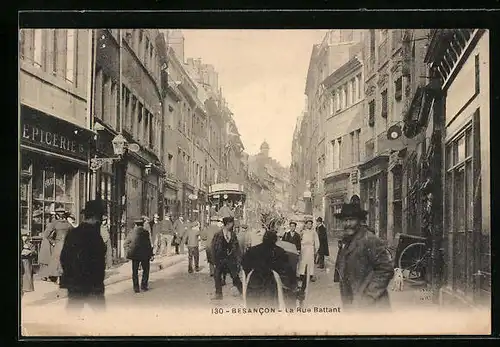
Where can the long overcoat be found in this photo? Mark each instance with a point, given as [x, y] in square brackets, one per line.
[323, 240]
[57, 235]
[262, 260]
[138, 244]
[45, 253]
[83, 260]
[364, 269]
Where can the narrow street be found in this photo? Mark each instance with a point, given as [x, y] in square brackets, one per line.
[175, 290]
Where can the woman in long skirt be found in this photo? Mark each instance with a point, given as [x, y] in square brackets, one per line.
[309, 247]
[28, 253]
[45, 252]
[57, 236]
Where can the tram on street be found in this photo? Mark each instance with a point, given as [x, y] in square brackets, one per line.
[227, 198]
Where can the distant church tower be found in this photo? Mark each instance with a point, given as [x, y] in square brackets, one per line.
[264, 149]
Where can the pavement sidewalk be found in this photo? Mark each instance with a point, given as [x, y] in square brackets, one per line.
[46, 292]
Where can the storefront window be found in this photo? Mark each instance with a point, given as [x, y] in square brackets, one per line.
[52, 188]
[459, 200]
[24, 197]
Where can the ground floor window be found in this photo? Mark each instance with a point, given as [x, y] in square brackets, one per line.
[460, 184]
[335, 207]
[150, 198]
[45, 185]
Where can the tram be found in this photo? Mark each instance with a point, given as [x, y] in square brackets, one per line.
[227, 197]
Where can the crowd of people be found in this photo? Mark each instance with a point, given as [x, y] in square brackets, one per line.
[363, 267]
[76, 256]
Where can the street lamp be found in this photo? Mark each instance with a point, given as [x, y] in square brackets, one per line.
[119, 145]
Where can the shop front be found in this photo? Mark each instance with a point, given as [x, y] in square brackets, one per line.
[54, 167]
[106, 183]
[373, 178]
[202, 204]
[188, 203]
[336, 193]
[171, 203]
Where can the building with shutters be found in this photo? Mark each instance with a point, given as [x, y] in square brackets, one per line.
[55, 123]
[453, 110]
[343, 98]
[129, 89]
[334, 51]
[393, 71]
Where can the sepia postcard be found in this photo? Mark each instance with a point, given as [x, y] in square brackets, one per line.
[209, 182]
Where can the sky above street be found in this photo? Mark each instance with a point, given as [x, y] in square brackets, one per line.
[262, 74]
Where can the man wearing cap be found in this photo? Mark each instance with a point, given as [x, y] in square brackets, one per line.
[83, 260]
[364, 267]
[139, 249]
[179, 230]
[227, 256]
[292, 236]
[165, 234]
[192, 240]
[323, 250]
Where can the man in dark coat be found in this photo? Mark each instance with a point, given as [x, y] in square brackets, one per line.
[364, 267]
[323, 250]
[263, 259]
[83, 260]
[207, 236]
[139, 249]
[292, 236]
[226, 256]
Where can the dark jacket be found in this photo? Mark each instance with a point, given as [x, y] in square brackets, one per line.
[323, 240]
[295, 239]
[223, 251]
[264, 258]
[83, 259]
[364, 269]
[138, 244]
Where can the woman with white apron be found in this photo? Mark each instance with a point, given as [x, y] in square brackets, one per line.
[309, 247]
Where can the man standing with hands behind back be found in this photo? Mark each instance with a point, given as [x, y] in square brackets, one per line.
[364, 267]
[323, 250]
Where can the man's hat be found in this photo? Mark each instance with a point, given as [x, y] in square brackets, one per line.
[60, 210]
[94, 208]
[351, 210]
[292, 222]
[139, 221]
[308, 219]
[227, 220]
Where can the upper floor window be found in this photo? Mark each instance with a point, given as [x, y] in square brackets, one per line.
[372, 43]
[371, 113]
[384, 104]
[37, 48]
[398, 89]
[70, 55]
[344, 97]
[358, 87]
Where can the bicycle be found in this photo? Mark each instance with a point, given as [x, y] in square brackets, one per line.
[413, 258]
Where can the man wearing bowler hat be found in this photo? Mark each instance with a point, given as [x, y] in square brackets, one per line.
[83, 260]
[364, 267]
